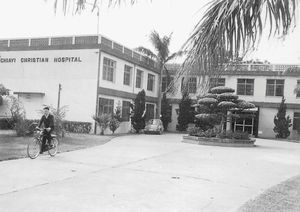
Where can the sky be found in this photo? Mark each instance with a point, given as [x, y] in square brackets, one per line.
[129, 25]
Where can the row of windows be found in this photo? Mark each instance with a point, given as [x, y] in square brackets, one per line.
[109, 70]
[106, 106]
[274, 87]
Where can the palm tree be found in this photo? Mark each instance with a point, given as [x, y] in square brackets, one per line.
[162, 56]
[229, 28]
[232, 28]
[81, 4]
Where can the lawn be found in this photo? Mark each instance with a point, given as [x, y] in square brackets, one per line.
[12, 147]
[282, 197]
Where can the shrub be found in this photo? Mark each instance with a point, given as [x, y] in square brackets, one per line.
[282, 122]
[103, 121]
[186, 113]
[197, 131]
[77, 127]
[114, 124]
[5, 124]
[165, 112]
[138, 112]
[221, 89]
[238, 135]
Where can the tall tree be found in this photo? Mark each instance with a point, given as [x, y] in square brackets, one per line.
[162, 56]
[282, 122]
[186, 113]
[232, 28]
[138, 112]
[165, 112]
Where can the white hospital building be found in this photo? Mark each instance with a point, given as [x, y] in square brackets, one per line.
[262, 84]
[96, 75]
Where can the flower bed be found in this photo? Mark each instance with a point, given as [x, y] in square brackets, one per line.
[214, 141]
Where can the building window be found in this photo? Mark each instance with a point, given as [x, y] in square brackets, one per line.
[190, 86]
[139, 79]
[297, 90]
[165, 82]
[296, 121]
[215, 82]
[149, 112]
[274, 87]
[109, 67]
[127, 75]
[150, 84]
[245, 87]
[125, 110]
[106, 106]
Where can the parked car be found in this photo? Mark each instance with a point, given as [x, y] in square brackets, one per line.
[154, 126]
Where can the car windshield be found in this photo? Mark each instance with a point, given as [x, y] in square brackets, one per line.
[153, 121]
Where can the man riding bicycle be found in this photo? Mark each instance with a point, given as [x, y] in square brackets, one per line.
[48, 121]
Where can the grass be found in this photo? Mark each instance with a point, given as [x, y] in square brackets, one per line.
[282, 197]
[12, 147]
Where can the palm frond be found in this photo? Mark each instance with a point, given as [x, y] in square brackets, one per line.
[146, 52]
[230, 29]
[80, 5]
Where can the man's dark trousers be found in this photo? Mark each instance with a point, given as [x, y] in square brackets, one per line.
[46, 136]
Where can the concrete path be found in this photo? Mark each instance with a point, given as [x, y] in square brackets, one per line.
[147, 173]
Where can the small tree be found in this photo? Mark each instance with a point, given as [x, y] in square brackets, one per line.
[103, 121]
[138, 112]
[165, 112]
[3, 92]
[282, 122]
[114, 123]
[186, 113]
[17, 114]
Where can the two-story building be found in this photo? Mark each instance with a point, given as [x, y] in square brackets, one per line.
[262, 84]
[96, 75]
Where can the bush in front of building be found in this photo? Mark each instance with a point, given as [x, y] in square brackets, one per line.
[138, 112]
[186, 112]
[103, 121]
[5, 124]
[77, 127]
[282, 122]
[214, 109]
[3, 92]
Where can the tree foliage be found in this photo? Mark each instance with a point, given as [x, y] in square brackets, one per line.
[213, 107]
[282, 122]
[138, 112]
[186, 112]
[103, 121]
[165, 112]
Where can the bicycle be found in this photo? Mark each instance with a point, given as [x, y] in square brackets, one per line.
[35, 146]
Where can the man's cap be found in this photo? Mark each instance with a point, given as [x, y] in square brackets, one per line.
[46, 108]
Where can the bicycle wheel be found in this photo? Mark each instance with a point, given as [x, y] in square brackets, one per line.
[53, 150]
[33, 148]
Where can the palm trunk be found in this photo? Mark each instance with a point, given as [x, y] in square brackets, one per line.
[159, 93]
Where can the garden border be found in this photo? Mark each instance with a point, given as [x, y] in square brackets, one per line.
[225, 142]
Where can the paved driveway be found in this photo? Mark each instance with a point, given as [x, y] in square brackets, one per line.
[147, 173]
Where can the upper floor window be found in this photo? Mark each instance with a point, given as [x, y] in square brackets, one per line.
[106, 106]
[274, 87]
[215, 82]
[190, 85]
[297, 89]
[165, 82]
[139, 79]
[125, 110]
[127, 75]
[109, 67]
[245, 87]
[150, 84]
